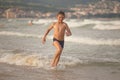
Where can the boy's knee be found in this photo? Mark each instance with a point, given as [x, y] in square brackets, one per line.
[59, 50]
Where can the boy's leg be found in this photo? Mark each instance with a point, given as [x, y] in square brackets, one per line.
[57, 54]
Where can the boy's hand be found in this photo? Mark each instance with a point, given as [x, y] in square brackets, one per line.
[68, 34]
[43, 40]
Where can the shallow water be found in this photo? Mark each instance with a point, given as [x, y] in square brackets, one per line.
[92, 42]
[81, 72]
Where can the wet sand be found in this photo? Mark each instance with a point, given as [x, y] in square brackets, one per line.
[81, 72]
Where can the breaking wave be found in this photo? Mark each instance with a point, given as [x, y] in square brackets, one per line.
[90, 41]
[81, 40]
[43, 61]
[35, 60]
[106, 27]
[96, 24]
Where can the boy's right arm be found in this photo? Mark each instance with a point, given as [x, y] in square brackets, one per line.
[46, 33]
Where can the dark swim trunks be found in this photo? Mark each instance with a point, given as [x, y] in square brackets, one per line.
[60, 42]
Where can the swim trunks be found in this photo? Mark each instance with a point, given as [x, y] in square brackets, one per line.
[60, 42]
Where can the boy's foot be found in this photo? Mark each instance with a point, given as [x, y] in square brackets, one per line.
[53, 68]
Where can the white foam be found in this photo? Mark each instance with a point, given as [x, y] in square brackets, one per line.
[81, 40]
[101, 21]
[43, 61]
[71, 23]
[106, 27]
[11, 33]
[43, 21]
[90, 41]
[25, 59]
[79, 23]
[36, 60]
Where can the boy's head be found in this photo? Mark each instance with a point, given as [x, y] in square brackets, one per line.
[60, 15]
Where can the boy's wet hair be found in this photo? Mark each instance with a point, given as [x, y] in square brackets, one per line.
[61, 12]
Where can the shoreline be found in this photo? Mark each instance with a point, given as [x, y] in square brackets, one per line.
[80, 72]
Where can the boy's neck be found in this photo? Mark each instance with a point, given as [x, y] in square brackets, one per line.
[60, 22]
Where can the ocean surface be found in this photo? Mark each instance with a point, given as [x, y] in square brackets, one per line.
[93, 41]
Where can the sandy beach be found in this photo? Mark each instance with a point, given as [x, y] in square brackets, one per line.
[81, 72]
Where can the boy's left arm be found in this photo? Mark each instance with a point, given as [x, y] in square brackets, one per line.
[68, 31]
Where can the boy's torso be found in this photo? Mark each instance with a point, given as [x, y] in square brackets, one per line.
[59, 30]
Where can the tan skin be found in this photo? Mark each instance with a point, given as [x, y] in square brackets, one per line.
[60, 28]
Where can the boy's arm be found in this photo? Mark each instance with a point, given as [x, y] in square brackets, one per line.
[68, 31]
[46, 33]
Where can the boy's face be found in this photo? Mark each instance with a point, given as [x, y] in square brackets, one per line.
[60, 17]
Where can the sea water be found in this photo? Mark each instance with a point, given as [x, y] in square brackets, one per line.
[92, 41]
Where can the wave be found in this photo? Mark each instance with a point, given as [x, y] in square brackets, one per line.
[96, 24]
[74, 23]
[35, 60]
[10, 33]
[43, 21]
[106, 27]
[102, 21]
[43, 61]
[81, 40]
[90, 41]
[71, 23]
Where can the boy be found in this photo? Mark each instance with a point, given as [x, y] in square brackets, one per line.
[60, 28]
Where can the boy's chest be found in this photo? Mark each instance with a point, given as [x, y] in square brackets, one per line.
[59, 28]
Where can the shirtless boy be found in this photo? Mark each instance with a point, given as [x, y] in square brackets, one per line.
[60, 29]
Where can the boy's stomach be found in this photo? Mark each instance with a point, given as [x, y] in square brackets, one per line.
[59, 37]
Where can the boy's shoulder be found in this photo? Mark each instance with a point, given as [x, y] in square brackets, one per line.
[64, 23]
[54, 23]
